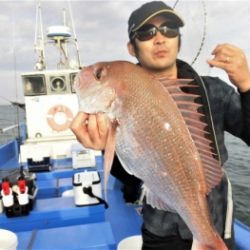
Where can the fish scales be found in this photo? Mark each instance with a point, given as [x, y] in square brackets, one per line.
[153, 142]
[156, 157]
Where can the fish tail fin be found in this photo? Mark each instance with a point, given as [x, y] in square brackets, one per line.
[217, 244]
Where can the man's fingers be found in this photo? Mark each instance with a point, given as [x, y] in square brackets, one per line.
[79, 120]
[103, 126]
[79, 127]
[90, 129]
[93, 129]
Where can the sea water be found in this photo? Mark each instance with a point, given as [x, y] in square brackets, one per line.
[10, 115]
[238, 169]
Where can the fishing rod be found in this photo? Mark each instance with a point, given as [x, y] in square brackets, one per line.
[204, 34]
[14, 103]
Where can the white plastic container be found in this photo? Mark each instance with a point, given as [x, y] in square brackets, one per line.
[82, 157]
[68, 193]
[8, 240]
[89, 180]
[130, 243]
[7, 200]
[23, 199]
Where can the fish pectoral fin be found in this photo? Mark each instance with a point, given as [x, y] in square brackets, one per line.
[197, 246]
[109, 154]
[154, 200]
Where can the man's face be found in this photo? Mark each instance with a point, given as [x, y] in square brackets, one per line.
[159, 53]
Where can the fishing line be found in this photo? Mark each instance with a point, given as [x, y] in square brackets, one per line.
[204, 34]
[176, 2]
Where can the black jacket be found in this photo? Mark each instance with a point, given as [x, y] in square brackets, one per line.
[229, 111]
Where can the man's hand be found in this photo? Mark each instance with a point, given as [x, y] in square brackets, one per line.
[91, 130]
[233, 60]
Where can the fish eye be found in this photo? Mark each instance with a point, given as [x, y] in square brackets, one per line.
[98, 73]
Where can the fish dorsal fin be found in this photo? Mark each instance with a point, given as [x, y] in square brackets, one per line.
[187, 95]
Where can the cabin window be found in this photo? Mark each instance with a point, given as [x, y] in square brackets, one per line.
[72, 79]
[58, 85]
[34, 85]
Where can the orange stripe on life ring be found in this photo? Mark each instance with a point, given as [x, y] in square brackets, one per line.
[56, 110]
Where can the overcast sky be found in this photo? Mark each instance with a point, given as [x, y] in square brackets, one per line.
[101, 29]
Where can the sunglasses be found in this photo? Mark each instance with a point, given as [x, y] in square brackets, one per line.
[148, 31]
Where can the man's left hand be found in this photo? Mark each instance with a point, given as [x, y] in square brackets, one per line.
[233, 60]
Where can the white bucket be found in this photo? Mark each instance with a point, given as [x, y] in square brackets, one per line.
[68, 193]
[8, 240]
[130, 243]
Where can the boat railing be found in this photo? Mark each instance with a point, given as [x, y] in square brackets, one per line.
[14, 131]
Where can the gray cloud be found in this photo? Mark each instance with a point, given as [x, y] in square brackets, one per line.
[101, 28]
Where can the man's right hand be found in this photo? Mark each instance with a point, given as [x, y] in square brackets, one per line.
[91, 130]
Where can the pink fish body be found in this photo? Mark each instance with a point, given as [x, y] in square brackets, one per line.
[154, 143]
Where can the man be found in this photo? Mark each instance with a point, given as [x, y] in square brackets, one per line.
[155, 41]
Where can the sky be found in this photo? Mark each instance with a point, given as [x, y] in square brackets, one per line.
[101, 31]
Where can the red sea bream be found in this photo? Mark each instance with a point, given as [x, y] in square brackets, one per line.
[155, 129]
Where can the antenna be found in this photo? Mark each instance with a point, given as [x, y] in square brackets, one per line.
[39, 40]
[74, 33]
[60, 34]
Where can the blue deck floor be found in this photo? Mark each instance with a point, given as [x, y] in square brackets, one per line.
[56, 223]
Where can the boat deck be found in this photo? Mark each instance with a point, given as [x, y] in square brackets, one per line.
[56, 223]
[84, 228]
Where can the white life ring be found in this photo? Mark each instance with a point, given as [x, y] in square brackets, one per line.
[59, 117]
